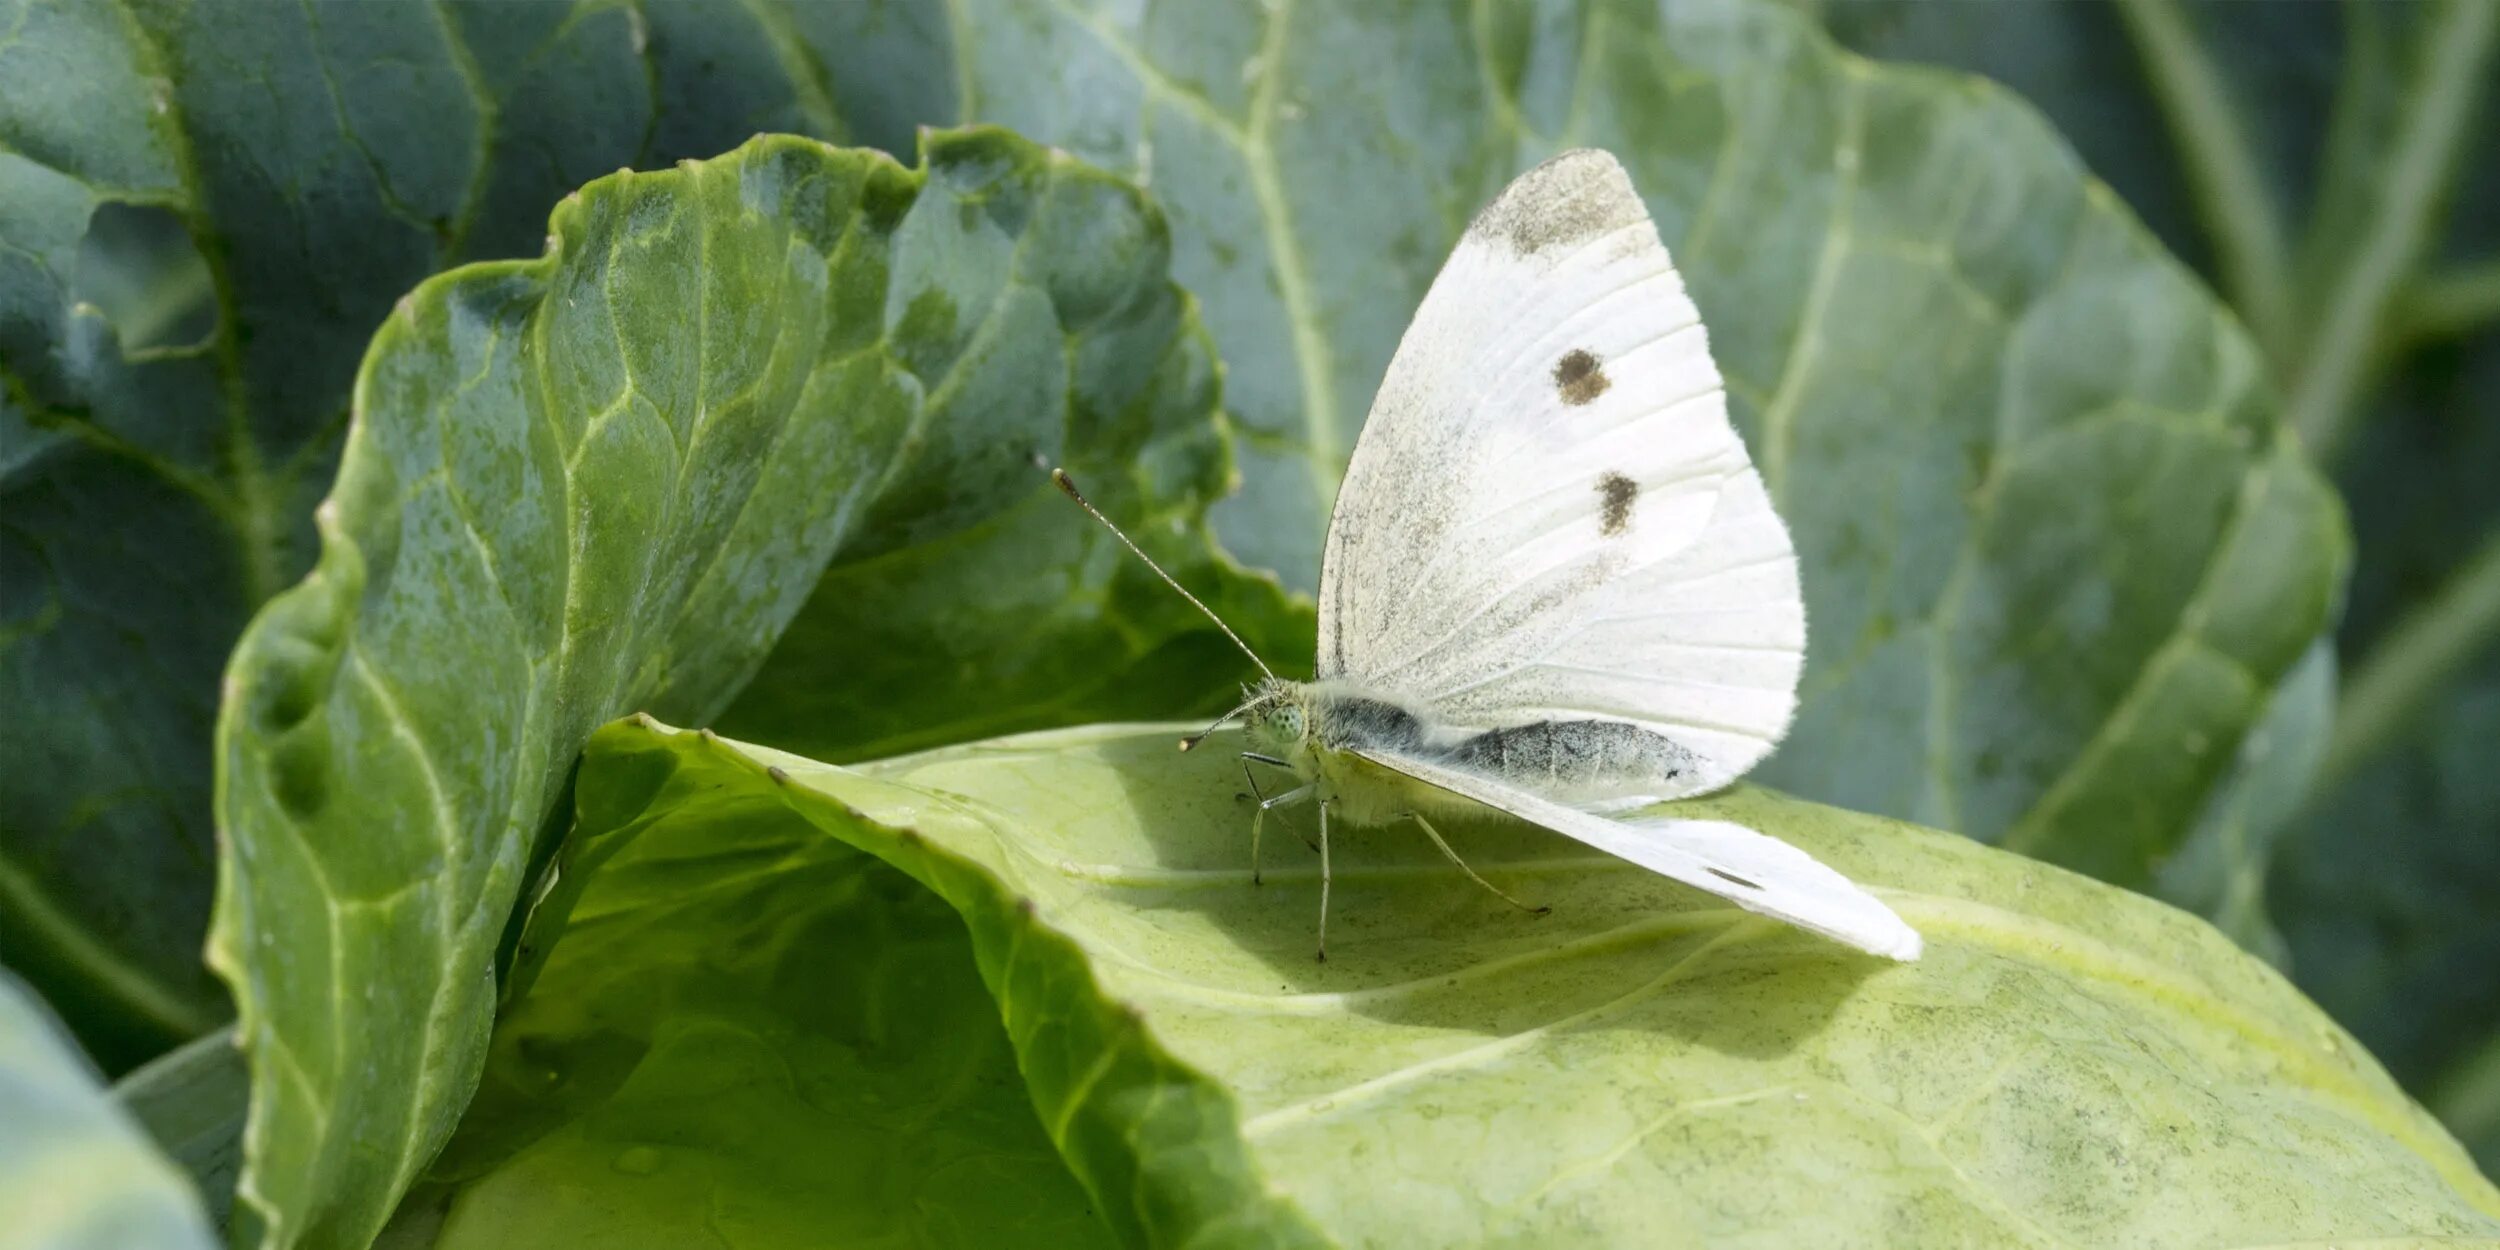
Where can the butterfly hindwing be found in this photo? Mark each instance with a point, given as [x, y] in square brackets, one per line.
[1753, 870]
[1548, 514]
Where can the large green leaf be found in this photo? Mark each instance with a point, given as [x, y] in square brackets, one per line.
[206, 209]
[2057, 553]
[169, 421]
[749, 1036]
[2069, 1065]
[75, 1173]
[2389, 886]
[123, 566]
[605, 479]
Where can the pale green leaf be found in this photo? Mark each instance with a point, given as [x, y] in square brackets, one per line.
[2068, 1065]
[749, 1035]
[75, 1172]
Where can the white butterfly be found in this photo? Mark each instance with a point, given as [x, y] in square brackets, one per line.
[1554, 584]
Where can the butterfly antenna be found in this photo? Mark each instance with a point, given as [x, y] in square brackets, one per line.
[1221, 721]
[1068, 485]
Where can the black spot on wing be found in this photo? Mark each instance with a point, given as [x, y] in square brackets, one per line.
[1578, 379]
[1615, 494]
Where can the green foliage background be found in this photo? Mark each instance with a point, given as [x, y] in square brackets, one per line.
[2327, 166]
[2071, 579]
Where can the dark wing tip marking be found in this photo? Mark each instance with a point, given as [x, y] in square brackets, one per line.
[1729, 876]
[1577, 377]
[1616, 494]
[1577, 195]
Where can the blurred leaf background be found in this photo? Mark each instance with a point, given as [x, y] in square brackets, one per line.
[2329, 168]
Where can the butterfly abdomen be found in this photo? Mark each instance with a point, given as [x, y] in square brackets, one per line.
[1568, 761]
[1576, 759]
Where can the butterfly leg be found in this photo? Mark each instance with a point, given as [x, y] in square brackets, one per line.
[1439, 841]
[1247, 759]
[1249, 779]
[1258, 818]
[1323, 881]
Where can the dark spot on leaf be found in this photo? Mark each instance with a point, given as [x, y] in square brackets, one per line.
[1615, 495]
[1578, 379]
[1729, 876]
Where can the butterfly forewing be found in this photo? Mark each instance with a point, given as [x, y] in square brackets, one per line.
[1548, 514]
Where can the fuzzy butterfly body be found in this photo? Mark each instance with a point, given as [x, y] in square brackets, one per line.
[1554, 584]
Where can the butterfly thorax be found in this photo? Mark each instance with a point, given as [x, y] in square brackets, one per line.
[1331, 732]
[1298, 721]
